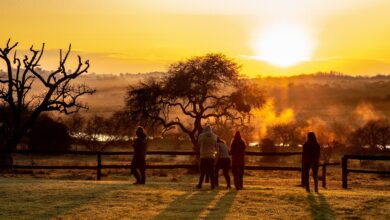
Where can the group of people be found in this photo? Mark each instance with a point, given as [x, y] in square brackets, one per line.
[215, 156]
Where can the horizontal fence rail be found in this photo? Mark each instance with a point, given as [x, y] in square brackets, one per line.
[189, 153]
[345, 170]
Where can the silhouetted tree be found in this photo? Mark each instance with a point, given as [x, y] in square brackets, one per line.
[268, 145]
[194, 91]
[23, 107]
[286, 134]
[75, 123]
[375, 134]
[98, 132]
[94, 135]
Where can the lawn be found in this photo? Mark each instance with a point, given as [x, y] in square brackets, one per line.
[265, 197]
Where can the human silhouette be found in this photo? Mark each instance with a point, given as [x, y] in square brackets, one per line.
[207, 146]
[237, 150]
[138, 163]
[310, 160]
[222, 162]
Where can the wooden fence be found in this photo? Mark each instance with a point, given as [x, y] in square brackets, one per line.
[324, 172]
[99, 166]
[345, 170]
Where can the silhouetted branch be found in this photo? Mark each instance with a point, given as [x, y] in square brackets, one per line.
[60, 95]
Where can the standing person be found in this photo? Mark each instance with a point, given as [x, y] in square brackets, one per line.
[223, 162]
[138, 163]
[310, 160]
[207, 146]
[237, 150]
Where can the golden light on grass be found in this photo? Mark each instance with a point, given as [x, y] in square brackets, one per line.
[284, 45]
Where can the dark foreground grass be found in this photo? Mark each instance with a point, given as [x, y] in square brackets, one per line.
[263, 198]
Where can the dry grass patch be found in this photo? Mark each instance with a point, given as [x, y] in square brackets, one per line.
[263, 198]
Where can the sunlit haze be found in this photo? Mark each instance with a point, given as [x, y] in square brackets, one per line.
[280, 37]
[284, 45]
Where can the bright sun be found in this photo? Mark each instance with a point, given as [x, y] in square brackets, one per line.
[284, 45]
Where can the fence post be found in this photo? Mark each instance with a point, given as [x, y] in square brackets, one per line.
[344, 171]
[302, 177]
[99, 166]
[324, 175]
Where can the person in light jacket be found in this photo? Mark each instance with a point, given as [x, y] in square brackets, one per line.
[207, 145]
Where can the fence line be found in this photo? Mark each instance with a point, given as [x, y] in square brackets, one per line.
[324, 165]
[345, 170]
[99, 166]
[189, 153]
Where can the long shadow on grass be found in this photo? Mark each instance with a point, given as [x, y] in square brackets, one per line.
[223, 206]
[319, 207]
[188, 206]
[71, 200]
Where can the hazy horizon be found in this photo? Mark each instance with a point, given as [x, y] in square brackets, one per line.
[278, 39]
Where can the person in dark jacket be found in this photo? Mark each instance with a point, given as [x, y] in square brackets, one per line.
[310, 160]
[237, 150]
[223, 162]
[138, 163]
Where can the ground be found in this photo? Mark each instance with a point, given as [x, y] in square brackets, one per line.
[265, 197]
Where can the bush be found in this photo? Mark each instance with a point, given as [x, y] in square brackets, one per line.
[48, 134]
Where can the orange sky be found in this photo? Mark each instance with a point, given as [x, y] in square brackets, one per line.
[351, 36]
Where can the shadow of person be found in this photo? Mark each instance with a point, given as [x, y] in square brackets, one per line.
[188, 206]
[223, 206]
[319, 207]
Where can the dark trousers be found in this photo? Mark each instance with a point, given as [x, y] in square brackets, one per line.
[206, 167]
[306, 174]
[138, 170]
[224, 164]
[238, 174]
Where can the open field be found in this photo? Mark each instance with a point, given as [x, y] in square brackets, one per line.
[174, 197]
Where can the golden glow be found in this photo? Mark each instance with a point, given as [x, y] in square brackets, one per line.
[284, 45]
[350, 36]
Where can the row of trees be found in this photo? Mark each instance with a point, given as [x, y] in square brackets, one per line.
[373, 136]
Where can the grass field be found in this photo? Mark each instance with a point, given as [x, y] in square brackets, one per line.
[265, 197]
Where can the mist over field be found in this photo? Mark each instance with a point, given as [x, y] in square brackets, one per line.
[319, 98]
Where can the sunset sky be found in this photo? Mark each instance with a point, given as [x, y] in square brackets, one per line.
[279, 37]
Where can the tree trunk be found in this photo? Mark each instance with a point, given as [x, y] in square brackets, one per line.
[9, 145]
[5, 154]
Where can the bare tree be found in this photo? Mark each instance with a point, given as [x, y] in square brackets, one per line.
[374, 134]
[196, 91]
[21, 108]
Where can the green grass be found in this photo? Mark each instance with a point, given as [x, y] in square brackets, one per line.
[265, 197]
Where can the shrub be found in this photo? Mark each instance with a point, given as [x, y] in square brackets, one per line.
[48, 134]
